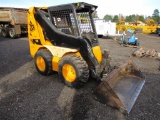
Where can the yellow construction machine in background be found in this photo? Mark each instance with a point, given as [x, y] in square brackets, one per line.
[138, 26]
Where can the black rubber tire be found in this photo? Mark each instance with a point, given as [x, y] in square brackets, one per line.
[100, 36]
[5, 32]
[126, 41]
[47, 57]
[81, 69]
[19, 35]
[137, 43]
[12, 33]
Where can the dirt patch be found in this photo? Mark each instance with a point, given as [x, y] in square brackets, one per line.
[25, 94]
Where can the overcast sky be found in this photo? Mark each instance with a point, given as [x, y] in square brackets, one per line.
[111, 7]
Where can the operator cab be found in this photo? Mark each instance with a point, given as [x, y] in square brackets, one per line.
[74, 19]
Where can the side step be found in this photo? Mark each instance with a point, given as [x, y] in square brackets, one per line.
[121, 87]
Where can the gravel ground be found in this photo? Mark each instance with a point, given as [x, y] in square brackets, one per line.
[25, 94]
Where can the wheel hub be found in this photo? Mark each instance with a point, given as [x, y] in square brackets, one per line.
[69, 72]
[40, 63]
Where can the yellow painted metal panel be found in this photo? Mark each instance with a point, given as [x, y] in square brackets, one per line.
[59, 51]
[55, 62]
[98, 53]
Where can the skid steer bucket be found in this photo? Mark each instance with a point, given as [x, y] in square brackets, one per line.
[121, 87]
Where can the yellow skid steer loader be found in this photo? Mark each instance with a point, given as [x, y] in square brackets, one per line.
[63, 39]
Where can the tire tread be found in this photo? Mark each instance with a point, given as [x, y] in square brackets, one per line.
[82, 69]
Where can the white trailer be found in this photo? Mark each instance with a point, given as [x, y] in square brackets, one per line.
[105, 28]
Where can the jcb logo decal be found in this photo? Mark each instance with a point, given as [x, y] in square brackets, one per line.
[31, 26]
